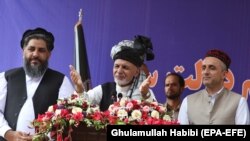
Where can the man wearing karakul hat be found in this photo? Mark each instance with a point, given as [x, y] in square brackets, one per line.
[28, 91]
[215, 104]
[126, 71]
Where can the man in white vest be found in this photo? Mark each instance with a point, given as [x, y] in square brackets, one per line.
[215, 104]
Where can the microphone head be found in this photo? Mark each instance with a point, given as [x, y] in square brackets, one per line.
[119, 95]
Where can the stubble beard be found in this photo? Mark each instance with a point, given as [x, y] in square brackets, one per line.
[173, 96]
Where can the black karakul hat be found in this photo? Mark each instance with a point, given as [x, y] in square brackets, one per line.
[130, 55]
[219, 55]
[39, 30]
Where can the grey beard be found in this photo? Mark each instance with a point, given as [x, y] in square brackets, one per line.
[35, 71]
[124, 84]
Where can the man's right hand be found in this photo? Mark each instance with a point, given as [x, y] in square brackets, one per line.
[17, 136]
[76, 79]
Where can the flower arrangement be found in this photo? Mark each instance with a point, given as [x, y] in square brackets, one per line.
[61, 117]
[131, 112]
[70, 112]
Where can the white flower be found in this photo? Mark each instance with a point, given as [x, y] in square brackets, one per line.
[122, 113]
[136, 114]
[92, 110]
[59, 102]
[72, 101]
[51, 109]
[122, 102]
[166, 117]
[76, 110]
[155, 114]
[71, 121]
[138, 101]
[96, 109]
[112, 109]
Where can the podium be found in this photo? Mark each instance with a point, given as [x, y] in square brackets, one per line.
[84, 133]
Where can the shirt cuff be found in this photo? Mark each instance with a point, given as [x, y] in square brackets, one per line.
[148, 95]
[3, 130]
[78, 93]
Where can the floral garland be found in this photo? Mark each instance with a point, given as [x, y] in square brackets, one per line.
[132, 112]
[61, 117]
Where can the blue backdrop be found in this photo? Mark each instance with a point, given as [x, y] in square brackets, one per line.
[181, 31]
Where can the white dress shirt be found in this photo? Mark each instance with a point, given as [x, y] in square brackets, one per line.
[95, 95]
[27, 114]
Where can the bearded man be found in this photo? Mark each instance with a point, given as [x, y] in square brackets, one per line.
[126, 73]
[28, 91]
[174, 87]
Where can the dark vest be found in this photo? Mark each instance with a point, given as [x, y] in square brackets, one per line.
[45, 95]
[108, 96]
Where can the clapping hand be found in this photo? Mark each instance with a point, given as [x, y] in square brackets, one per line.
[76, 79]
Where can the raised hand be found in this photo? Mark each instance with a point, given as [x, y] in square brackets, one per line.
[144, 87]
[76, 79]
[148, 83]
[153, 79]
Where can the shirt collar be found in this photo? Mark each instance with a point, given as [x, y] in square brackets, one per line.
[28, 78]
[170, 108]
[216, 93]
[123, 90]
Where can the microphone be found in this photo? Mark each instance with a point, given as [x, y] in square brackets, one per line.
[113, 98]
[119, 96]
